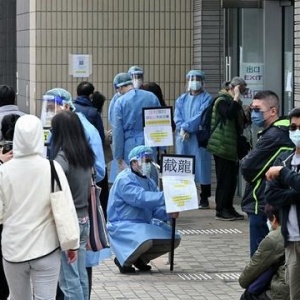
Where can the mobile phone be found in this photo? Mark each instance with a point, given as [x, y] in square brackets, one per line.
[7, 147]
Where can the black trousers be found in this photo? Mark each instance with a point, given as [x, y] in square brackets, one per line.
[104, 192]
[227, 173]
[4, 291]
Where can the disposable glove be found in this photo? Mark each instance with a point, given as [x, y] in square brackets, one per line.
[184, 135]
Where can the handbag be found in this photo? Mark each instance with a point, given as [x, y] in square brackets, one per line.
[64, 214]
[243, 146]
[261, 283]
[98, 237]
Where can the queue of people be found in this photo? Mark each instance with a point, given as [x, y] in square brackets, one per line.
[134, 206]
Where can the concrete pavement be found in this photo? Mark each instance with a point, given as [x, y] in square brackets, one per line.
[208, 262]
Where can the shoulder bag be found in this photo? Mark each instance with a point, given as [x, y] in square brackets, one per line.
[98, 238]
[64, 214]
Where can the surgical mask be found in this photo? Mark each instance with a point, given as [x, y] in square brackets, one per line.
[146, 168]
[50, 114]
[295, 137]
[195, 85]
[269, 225]
[257, 118]
[137, 83]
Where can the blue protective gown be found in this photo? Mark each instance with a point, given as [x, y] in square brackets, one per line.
[127, 125]
[112, 103]
[188, 110]
[135, 208]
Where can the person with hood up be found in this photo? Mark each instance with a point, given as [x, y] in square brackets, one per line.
[32, 257]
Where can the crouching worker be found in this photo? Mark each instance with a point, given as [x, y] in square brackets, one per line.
[136, 211]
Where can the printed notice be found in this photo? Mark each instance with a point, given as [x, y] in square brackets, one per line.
[180, 193]
[158, 126]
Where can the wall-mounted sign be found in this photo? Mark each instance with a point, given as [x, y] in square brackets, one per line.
[80, 65]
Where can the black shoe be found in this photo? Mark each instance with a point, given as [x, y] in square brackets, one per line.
[204, 205]
[236, 215]
[139, 264]
[124, 269]
[224, 215]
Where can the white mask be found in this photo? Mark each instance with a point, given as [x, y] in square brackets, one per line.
[295, 137]
[146, 168]
[137, 83]
[195, 85]
[269, 225]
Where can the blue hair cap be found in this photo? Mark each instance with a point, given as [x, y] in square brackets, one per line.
[195, 73]
[139, 151]
[62, 94]
[122, 79]
[135, 70]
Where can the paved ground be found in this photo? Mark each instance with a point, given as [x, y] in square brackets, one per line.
[208, 262]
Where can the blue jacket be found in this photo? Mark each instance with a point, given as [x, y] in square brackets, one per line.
[84, 105]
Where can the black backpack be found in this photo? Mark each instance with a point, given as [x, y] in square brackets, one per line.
[204, 132]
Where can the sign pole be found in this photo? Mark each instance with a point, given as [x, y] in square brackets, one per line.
[172, 245]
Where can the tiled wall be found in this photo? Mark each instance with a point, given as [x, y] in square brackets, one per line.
[297, 54]
[156, 35]
[8, 42]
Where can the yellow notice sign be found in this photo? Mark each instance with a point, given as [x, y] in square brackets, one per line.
[180, 193]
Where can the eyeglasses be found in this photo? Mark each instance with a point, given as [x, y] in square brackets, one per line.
[294, 127]
[257, 109]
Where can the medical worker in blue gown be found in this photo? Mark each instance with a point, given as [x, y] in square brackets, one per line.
[136, 211]
[188, 109]
[127, 125]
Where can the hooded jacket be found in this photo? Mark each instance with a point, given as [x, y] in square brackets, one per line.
[29, 230]
[271, 142]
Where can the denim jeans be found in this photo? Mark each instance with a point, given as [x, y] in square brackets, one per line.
[258, 230]
[73, 279]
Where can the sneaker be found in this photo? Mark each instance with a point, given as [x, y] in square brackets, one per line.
[124, 269]
[236, 215]
[139, 264]
[224, 215]
[204, 205]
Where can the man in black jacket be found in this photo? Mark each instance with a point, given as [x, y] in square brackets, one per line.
[272, 140]
[283, 190]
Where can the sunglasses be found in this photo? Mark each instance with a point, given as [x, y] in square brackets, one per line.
[257, 109]
[294, 127]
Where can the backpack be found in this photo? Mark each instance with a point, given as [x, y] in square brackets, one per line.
[204, 132]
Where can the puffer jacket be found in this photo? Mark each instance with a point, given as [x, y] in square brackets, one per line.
[271, 142]
[270, 252]
[226, 123]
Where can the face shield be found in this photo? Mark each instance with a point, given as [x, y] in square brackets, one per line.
[145, 163]
[194, 83]
[50, 106]
[137, 80]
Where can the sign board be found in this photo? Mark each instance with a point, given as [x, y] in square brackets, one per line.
[80, 65]
[158, 126]
[179, 187]
[253, 74]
